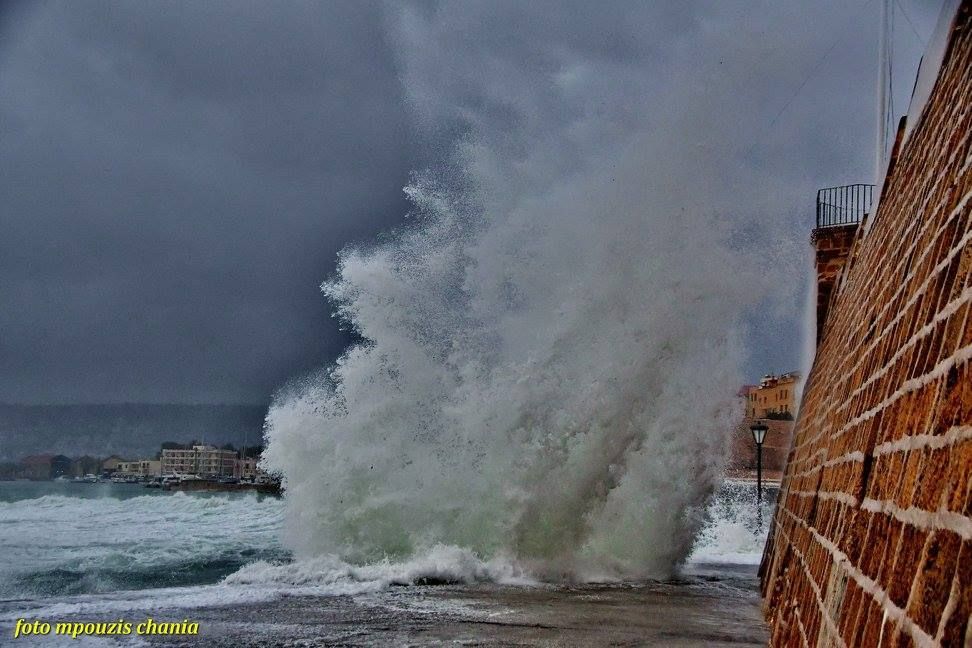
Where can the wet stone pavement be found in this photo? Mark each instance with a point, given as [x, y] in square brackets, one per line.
[717, 606]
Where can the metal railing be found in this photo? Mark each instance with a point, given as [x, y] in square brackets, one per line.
[843, 205]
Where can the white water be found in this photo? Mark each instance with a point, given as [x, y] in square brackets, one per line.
[548, 386]
[64, 544]
[551, 350]
[70, 555]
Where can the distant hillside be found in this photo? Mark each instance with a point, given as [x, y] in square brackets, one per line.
[129, 430]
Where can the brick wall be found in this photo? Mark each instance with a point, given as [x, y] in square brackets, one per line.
[775, 446]
[872, 539]
[832, 245]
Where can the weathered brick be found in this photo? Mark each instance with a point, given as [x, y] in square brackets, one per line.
[892, 382]
[954, 628]
[932, 587]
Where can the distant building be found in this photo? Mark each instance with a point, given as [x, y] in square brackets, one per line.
[85, 465]
[246, 468]
[60, 466]
[140, 468]
[200, 460]
[773, 396]
[111, 464]
[150, 467]
[37, 466]
[744, 393]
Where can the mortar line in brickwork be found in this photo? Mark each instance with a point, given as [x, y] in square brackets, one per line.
[856, 326]
[940, 520]
[953, 436]
[869, 586]
[919, 155]
[912, 239]
[954, 594]
[821, 608]
[855, 455]
[918, 219]
[938, 371]
[803, 631]
[811, 457]
[965, 167]
[902, 256]
[968, 162]
[943, 314]
[836, 496]
[918, 292]
[960, 356]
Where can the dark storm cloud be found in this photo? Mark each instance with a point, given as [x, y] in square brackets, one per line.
[178, 177]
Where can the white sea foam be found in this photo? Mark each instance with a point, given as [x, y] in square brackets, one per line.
[734, 533]
[69, 533]
[63, 544]
[263, 581]
[550, 355]
[439, 564]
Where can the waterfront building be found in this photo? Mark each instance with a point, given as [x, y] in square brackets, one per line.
[198, 460]
[140, 468]
[60, 466]
[774, 396]
[111, 464]
[85, 465]
[36, 466]
[150, 467]
[246, 468]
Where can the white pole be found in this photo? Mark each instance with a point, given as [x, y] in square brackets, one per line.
[880, 153]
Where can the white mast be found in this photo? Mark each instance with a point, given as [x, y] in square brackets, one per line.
[881, 141]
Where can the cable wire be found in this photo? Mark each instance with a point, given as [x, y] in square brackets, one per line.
[806, 80]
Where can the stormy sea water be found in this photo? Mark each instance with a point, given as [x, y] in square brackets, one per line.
[99, 552]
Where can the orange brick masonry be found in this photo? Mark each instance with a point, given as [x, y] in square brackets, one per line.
[872, 539]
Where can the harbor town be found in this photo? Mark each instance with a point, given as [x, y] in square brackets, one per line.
[192, 466]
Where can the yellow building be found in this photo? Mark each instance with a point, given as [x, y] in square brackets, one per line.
[774, 396]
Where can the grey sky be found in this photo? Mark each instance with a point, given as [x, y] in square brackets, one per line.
[177, 178]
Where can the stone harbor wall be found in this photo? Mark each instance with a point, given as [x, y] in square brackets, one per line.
[832, 245]
[871, 543]
[742, 460]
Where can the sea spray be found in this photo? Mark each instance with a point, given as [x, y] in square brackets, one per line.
[550, 346]
[563, 396]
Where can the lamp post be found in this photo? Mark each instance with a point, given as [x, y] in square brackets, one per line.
[758, 428]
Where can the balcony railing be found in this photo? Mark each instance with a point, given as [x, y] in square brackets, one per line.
[843, 205]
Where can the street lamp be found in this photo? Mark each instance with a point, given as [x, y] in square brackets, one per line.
[758, 428]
